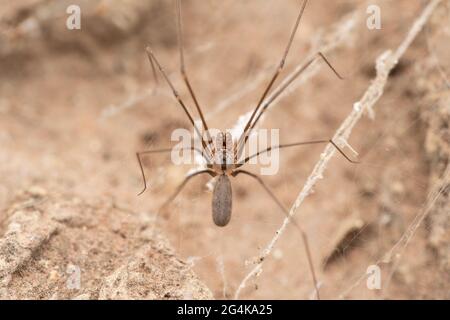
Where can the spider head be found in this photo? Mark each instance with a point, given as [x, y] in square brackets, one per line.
[224, 140]
[223, 152]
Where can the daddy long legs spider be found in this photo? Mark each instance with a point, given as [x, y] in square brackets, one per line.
[223, 153]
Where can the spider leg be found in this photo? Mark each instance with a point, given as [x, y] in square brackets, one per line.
[291, 219]
[184, 72]
[185, 181]
[240, 164]
[152, 58]
[139, 154]
[275, 75]
[283, 86]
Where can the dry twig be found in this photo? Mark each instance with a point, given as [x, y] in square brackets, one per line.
[384, 65]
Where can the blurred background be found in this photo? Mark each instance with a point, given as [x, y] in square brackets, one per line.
[76, 105]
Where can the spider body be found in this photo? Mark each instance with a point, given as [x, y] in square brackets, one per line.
[222, 165]
[222, 200]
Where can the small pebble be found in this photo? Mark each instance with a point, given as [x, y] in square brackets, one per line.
[37, 191]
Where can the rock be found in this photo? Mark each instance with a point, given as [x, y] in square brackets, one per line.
[63, 249]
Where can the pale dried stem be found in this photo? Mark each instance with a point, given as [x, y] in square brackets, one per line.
[384, 65]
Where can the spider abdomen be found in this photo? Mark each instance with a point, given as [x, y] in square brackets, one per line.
[222, 201]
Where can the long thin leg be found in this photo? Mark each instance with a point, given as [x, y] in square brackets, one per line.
[186, 180]
[283, 86]
[277, 72]
[155, 76]
[286, 212]
[183, 69]
[293, 145]
[138, 155]
[151, 56]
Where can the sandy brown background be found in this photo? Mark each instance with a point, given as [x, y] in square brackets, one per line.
[76, 105]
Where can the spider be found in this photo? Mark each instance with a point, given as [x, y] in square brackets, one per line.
[222, 154]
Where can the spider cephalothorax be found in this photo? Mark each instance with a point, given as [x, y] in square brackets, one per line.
[223, 154]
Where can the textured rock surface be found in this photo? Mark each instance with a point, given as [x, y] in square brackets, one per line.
[435, 85]
[61, 248]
